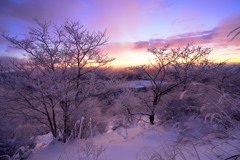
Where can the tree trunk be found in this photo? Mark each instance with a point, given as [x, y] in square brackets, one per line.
[65, 128]
[152, 115]
[151, 119]
[51, 123]
[66, 122]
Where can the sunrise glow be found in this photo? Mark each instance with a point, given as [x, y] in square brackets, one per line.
[133, 26]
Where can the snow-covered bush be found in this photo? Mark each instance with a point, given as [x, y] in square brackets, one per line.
[178, 109]
[191, 150]
[16, 148]
[87, 150]
[201, 111]
[90, 151]
[220, 108]
[28, 131]
[86, 127]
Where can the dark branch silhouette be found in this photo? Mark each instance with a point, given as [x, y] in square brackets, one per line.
[237, 32]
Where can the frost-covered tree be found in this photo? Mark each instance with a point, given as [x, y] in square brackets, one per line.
[56, 76]
[171, 68]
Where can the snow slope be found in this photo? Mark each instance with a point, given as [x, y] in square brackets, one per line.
[137, 143]
[118, 145]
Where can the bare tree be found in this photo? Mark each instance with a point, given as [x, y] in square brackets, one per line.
[172, 68]
[54, 80]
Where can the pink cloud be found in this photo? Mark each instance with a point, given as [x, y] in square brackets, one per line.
[197, 38]
[216, 38]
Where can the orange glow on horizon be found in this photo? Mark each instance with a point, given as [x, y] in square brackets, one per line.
[134, 58]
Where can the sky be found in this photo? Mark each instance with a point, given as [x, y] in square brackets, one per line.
[134, 25]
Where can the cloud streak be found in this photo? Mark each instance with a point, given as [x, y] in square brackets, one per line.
[200, 38]
[216, 37]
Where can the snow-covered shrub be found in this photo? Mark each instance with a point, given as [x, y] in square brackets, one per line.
[201, 111]
[22, 153]
[28, 131]
[149, 155]
[193, 150]
[194, 129]
[214, 105]
[16, 147]
[92, 152]
[87, 127]
[130, 108]
[178, 110]
[119, 122]
[223, 111]
[87, 150]
[166, 153]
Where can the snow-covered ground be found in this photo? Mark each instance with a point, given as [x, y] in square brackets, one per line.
[192, 138]
[140, 143]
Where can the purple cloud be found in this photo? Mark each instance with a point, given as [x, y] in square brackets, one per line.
[204, 37]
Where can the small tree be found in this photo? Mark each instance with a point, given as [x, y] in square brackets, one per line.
[54, 80]
[171, 68]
